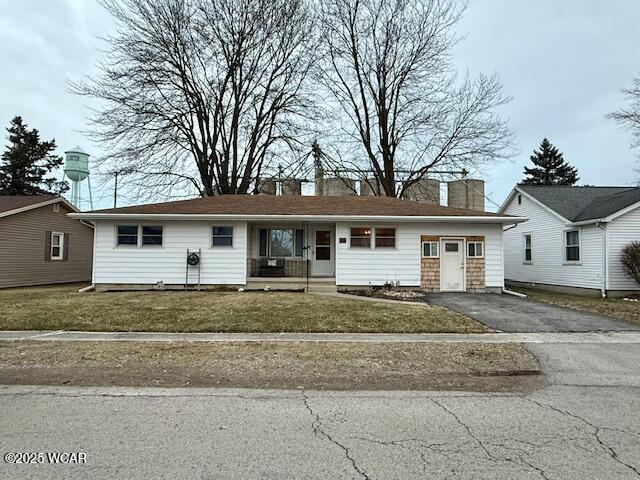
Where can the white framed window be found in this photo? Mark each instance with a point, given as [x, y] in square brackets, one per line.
[361, 237]
[281, 242]
[56, 207]
[430, 250]
[152, 235]
[127, 235]
[572, 245]
[57, 246]
[527, 244]
[385, 237]
[475, 249]
[222, 236]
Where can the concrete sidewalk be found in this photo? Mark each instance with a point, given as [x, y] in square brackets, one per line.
[578, 337]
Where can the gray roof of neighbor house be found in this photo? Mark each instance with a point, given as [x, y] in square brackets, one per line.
[15, 202]
[579, 204]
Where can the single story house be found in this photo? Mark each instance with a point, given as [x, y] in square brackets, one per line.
[573, 239]
[40, 244]
[297, 242]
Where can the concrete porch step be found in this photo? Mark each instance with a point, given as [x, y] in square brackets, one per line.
[322, 288]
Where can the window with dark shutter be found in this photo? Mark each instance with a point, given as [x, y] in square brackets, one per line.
[263, 242]
[299, 242]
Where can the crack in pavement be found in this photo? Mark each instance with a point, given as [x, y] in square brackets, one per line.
[489, 456]
[596, 432]
[318, 431]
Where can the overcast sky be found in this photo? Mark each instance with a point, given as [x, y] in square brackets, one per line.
[563, 63]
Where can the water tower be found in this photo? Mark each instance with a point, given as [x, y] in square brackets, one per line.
[76, 169]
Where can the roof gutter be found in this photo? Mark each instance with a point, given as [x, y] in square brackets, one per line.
[588, 222]
[319, 218]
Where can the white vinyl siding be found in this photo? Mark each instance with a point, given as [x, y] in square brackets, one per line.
[166, 263]
[548, 249]
[622, 231]
[364, 266]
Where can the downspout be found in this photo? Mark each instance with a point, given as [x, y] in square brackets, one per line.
[605, 261]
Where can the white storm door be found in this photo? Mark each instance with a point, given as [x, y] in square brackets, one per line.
[322, 254]
[452, 266]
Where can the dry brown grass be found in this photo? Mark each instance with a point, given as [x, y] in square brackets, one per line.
[62, 308]
[282, 365]
[610, 307]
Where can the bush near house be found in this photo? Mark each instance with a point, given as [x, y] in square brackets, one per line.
[631, 260]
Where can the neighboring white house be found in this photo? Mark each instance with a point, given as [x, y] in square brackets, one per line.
[298, 242]
[574, 237]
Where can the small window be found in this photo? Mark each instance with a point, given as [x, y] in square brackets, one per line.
[127, 235]
[281, 243]
[450, 247]
[152, 235]
[222, 236]
[528, 256]
[430, 249]
[56, 207]
[57, 245]
[385, 237]
[572, 245]
[361, 237]
[475, 249]
[519, 199]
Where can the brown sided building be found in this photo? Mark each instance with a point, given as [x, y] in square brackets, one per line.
[40, 244]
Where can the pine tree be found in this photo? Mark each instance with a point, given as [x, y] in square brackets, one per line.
[27, 161]
[550, 168]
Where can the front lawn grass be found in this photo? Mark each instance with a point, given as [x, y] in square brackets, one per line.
[62, 308]
[609, 307]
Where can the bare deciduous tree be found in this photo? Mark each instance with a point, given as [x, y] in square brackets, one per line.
[389, 73]
[199, 94]
[630, 117]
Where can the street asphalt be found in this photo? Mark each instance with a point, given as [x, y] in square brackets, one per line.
[508, 313]
[584, 425]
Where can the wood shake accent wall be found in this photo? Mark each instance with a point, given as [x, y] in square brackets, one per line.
[430, 268]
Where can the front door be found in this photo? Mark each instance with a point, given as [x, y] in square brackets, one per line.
[452, 266]
[322, 255]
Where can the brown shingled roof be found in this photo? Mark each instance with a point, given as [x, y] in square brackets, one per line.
[297, 205]
[14, 202]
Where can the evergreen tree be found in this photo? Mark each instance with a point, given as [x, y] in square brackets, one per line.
[550, 168]
[27, 161]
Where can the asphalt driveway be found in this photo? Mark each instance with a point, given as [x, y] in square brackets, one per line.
[512, 314]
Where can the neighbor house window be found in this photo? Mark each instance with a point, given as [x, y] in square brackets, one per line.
[361, 237]
[57, 245]
[127, 235]
[527, 249]
[385, 237]
[430, 249]
[281, 243]
[475, 249]
[572, 245]
[222, 236]
[152, 235]
[519, 199]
